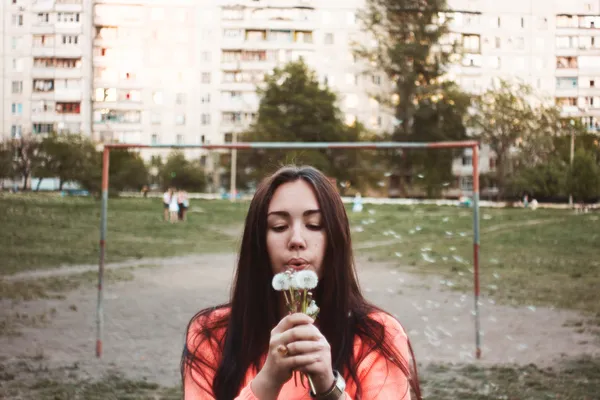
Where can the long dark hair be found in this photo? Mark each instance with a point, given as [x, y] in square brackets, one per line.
[254, 304]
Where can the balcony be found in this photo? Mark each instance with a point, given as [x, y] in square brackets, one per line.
[68, 94]
[58, 73]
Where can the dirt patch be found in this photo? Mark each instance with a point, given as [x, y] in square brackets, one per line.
[145, 321]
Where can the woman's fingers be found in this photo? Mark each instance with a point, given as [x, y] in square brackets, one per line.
[304, 347]
[291, 321]
[299, 333]
[301, 361]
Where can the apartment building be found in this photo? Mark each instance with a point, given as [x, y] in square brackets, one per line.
[45, 67]
[186, 72]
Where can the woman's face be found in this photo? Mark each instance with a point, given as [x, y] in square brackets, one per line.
[295, 234]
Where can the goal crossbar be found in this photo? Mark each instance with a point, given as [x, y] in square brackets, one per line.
[474, 145]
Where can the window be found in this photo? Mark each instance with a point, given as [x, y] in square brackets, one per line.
[329, 38]
[106, 94]
[68, 108]
[179, 139]
[69, 39]
[466, 183]
[206, 77]
[228, 138]
[202, 139]
[157, 98]
[154, 139]
[16, 131]
[471, 43]
[205, 56]
[16, 108]
[566, 62]
[43, 40]
[67, 17]
[180, 119]
[130, 95]
[498, 42]
[205, 119]
[566, 83]
[589, 22]
[50, 62]
[279, 36]
[43, 18]
[232, 33]
[117, 116]
[42, 106]
[591, 102]
[471, 60]
[17, 19]
[376, 79]
[43, 128]
[566, 101]
[566, 21]
[498, 22]
[232, 117]
[303, 37]
[256, 36]
[17, 64]
[566, 42]
[205, 99]
[522, 22]
[43, 85]
[180, 98]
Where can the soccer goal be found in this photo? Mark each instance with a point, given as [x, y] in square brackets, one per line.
[474, 145]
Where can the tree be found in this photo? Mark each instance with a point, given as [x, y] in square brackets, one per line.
[6, 160]
[294, 107]
[584, 177]
[518, 127]
[545, 181]
[62, 157]
[27, 157]
[408, 44]
[127, 171]
[181, 173]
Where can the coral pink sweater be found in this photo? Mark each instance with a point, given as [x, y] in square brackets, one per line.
[380, 379]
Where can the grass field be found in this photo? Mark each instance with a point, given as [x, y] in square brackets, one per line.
[533, 258]
[546, 257]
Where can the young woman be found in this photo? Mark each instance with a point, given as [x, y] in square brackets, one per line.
[249, 348]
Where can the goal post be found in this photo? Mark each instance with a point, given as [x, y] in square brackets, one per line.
[474, 145]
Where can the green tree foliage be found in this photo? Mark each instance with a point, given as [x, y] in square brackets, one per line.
[181, 173]
[27, 157]
[518, 127]
[6, 160]
[127, 171]
[295, 108]
[63, 157]
[584, 177]
[407, 43]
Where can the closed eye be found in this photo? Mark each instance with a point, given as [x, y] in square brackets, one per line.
[314, 227]
[279, 228]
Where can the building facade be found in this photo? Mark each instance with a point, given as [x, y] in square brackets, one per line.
[186, 72]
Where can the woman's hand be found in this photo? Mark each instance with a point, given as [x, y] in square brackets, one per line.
[296, 344]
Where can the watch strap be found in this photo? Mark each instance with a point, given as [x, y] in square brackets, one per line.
[335, 392]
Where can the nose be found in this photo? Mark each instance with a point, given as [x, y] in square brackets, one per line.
[297, 241]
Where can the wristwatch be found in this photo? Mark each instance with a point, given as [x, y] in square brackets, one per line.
[336, 391]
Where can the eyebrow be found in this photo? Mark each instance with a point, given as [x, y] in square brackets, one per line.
[287, 214]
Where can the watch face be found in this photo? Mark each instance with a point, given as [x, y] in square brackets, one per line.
[341, 383]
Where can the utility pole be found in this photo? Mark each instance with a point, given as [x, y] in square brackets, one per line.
[232, 187]
[572, 155]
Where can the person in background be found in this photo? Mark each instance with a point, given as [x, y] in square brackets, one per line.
[166, 202]
[173, 207]
[183, 203]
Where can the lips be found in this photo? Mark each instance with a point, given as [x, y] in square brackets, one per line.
[297, 264]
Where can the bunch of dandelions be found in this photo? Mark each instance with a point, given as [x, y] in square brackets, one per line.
[296, 287]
